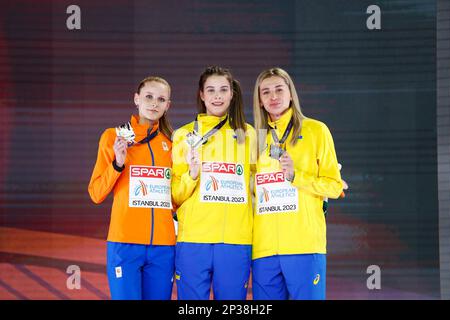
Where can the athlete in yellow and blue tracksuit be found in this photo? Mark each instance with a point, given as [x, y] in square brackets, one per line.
[289, 236]
[215, 214]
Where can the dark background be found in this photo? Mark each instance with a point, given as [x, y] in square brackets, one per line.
[376, 90]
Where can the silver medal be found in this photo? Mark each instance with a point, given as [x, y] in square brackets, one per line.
[193, 139]
[275, 151]
[126, 131]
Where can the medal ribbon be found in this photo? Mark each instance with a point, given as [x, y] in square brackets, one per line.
[285, 134]
[149, 136]
[211, 132]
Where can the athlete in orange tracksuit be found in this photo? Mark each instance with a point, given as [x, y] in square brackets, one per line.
[141, 237]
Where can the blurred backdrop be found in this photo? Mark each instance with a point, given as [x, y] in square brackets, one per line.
[375, 89]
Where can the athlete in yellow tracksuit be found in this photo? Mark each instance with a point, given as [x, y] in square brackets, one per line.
[302, 230]
[212, 221]
[215, 215]
[296, 169]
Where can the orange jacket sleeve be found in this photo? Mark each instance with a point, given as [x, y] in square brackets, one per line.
[104, 176]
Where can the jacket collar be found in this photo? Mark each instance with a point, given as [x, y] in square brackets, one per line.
[140, 130]
[282, 123]
[207, 122]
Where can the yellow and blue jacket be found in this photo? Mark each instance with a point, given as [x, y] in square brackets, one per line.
[207, 222]
[316, 177]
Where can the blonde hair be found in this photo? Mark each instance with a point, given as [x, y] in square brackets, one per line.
[164, 124]
[261, 116]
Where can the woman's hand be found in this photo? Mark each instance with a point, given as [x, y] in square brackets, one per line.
[120, 150]
[287, 165]
[192, 158]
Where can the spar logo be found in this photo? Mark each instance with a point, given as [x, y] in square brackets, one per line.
[141, 187]
[220, 167]
[273, 177]
[264, 196]
[213, 183]
[150, 172]
[167, 174]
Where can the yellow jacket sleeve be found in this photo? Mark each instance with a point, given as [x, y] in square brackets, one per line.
[182, 183]
[327, 182]
[253, 159]
[104, 176]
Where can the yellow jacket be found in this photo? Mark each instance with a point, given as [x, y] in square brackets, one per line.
[316, 177]
[200, 221]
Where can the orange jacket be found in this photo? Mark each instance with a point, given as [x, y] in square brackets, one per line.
[131, 224]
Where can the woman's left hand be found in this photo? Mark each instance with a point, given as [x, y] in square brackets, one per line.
[287, 165]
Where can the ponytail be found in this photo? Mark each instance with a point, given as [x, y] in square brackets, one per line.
[236, 112]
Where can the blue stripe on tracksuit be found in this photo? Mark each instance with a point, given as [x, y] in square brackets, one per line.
[296, 277]
[137, 271]
[225, 266]
[153, 209]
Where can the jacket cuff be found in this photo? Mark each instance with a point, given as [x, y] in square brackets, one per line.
[297, 178]
[292, 178]
[187, 179]
[117, 168]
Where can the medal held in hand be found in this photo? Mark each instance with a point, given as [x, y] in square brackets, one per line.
[126, 131]
[194, 140]
[275, 149]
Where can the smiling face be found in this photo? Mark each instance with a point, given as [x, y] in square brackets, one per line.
[275, 96]
[216, 95]
[152, 101]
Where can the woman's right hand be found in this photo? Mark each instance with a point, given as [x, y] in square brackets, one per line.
[120, 150]
[192, 158]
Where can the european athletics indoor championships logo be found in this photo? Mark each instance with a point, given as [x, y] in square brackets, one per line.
[148, 172]
[212, 183]
[264, 196]
[140, 187]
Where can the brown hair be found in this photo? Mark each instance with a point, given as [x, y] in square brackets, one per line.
[236, 110]
[164, 124]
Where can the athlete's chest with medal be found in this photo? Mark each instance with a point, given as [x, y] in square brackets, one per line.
[220, 182]
[274, 194]
[149, 186]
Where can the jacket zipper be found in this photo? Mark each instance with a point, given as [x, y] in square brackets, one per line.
[153, 212]
[276, 216]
